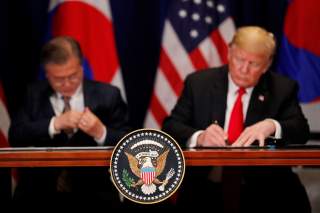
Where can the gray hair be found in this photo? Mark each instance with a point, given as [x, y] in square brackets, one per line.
[59, 49]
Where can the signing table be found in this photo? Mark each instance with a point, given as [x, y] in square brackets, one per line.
[100, 156]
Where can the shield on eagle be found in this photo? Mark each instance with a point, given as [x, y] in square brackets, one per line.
[148, 174]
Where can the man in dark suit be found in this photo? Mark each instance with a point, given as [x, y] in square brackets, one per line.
[206, 116]
[67, 110]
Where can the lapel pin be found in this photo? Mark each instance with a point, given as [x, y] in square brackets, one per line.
[261, 98]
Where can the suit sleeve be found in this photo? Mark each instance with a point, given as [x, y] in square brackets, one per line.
[179, 123]
[26, 129]
[295, 128]
[117, 121]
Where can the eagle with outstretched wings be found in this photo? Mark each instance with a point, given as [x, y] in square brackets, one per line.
[147, 171]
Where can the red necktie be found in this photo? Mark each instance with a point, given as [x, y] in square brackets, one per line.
[236, 118]
[231, 176]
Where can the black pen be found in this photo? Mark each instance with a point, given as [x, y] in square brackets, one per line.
[226, 140]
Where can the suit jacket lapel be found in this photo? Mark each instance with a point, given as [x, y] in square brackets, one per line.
[257, 108]
[46, 107]
[87, 95]
[218, 98]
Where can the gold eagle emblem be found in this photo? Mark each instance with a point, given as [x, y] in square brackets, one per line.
[148, 170]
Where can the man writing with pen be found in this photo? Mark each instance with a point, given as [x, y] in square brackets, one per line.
[237, 105]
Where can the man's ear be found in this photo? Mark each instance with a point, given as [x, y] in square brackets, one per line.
[268, 65]
[82, 70]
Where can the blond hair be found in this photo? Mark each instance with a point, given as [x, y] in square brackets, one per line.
[254, 39]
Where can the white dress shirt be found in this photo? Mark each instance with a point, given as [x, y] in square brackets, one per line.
[77, 104]
[231, 99]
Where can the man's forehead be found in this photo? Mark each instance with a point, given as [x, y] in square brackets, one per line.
[245, 51]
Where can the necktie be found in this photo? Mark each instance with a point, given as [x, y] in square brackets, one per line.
[231, 176]
[63, 182]
[67, 107]
[66, 101]
[236, 118]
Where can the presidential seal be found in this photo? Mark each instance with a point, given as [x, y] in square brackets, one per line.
[147, 166]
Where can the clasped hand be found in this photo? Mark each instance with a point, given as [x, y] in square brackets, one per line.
[87, 121]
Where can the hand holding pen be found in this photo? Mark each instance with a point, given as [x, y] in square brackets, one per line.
[212, 136]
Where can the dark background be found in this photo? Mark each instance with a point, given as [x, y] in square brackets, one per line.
[138, 26]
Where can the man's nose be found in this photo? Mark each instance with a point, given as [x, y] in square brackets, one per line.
[245, 67]
[66, 82]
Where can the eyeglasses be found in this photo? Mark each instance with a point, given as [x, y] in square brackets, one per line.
[59, 81]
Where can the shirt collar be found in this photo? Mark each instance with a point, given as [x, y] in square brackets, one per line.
[78, 92]
[233, 88]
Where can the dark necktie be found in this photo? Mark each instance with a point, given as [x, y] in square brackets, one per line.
[63, 182]
[66, 101]
[67, 107]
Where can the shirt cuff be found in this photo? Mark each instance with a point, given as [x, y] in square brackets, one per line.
[278, 132]
[100, 141]
[192, 142]
[52, 130]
